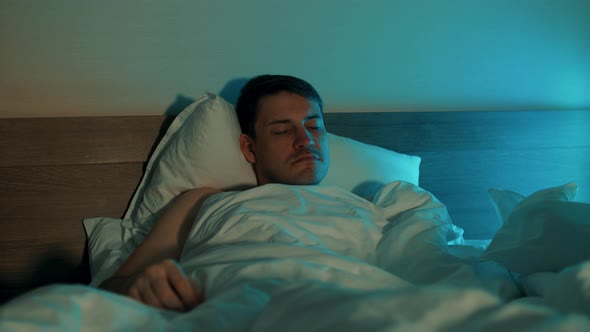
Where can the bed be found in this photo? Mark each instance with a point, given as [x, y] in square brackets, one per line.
[56, 172]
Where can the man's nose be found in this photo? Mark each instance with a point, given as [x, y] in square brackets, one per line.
[304, 139]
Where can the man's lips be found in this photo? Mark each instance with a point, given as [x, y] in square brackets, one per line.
[306, 157]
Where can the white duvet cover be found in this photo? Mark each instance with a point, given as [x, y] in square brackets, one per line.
[311, 258]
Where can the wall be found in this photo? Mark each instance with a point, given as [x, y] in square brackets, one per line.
[69, 57]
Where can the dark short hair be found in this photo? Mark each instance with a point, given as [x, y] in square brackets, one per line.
[266, 85]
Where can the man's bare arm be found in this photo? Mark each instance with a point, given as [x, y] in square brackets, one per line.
[151, 274]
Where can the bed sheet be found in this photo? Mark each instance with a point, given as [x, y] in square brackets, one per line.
[293, 258]
[270, 305]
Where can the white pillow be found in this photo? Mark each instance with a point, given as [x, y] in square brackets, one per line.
[544, 232]
[504, 201]
[105, 247]
[363, 168]
[201, 148]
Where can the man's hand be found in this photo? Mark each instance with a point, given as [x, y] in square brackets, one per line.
[164, 285]
[150, 274]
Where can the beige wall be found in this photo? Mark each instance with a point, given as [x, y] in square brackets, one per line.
[69, 57]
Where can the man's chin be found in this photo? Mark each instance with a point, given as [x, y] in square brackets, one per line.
[307, 183]
[311, 177]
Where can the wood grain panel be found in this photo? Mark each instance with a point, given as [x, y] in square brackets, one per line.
[41, 213]
[473, 131]
[76, 141]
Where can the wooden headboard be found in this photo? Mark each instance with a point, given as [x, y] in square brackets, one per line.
[54, 172]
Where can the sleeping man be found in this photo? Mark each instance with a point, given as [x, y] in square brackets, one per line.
[285, 140]
[338, 235]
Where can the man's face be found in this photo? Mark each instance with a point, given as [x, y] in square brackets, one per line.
[291, 145]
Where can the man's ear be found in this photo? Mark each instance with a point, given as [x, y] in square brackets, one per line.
[247, 148]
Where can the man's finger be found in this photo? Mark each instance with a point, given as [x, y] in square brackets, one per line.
[166, 295]
[187, 293]
[146, 294]
[134, 294]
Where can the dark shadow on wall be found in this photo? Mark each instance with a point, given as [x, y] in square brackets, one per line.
[230, 92]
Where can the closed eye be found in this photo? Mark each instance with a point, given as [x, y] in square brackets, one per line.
[316, 128]
[314, 124]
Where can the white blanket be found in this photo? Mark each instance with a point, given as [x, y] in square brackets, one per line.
[311, 258]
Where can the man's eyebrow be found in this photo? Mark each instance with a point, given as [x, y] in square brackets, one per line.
[274, 122]
[283, 121]
[312, 117]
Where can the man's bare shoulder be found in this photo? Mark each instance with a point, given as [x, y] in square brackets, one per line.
[202, 190]
[199, 193]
